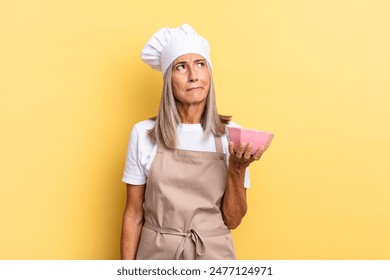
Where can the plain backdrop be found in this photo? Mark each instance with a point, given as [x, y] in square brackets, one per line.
[316, 73]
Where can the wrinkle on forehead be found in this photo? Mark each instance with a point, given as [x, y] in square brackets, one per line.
[191, 57]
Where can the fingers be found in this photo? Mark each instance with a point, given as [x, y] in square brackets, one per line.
[241, 149]
[248, 151]
[244, 151]
[259, 153]
[231, 150]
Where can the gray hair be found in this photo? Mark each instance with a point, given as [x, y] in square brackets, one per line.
[168, 118]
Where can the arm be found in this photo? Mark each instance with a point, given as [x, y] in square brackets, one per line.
[133, 219]
[234, 205]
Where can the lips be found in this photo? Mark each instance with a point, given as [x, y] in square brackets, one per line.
[193, 88]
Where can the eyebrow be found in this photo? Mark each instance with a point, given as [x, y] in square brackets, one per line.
[184, 62]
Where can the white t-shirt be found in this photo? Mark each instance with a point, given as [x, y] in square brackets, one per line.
[142, 150]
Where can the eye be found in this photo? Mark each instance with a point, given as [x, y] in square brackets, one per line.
[201, 64]
[180, 67]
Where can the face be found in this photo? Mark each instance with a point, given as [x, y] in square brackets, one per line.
[190, 79]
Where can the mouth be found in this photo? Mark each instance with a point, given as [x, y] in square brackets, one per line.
[194, 88]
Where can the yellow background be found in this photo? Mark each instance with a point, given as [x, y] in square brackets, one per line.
[316, 73]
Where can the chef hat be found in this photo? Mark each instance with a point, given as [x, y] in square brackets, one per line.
[167, 44]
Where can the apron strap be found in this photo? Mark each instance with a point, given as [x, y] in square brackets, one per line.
[194, 235]
[218, 144]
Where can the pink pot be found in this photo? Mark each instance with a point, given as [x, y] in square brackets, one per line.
[243, 135]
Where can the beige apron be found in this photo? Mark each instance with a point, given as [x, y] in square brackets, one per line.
[183, 198]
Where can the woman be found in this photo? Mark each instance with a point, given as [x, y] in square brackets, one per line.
[185, 183]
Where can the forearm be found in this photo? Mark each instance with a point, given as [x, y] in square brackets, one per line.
[131, 233]
[234, 204]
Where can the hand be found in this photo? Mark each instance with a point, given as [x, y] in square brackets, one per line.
[241, 158]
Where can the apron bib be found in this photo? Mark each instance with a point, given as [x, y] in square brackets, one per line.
[183, 198]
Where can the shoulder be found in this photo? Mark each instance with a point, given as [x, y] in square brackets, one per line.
[139, 133]
[233, 124]
[144, 126]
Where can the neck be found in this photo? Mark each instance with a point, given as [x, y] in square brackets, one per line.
[191, 113]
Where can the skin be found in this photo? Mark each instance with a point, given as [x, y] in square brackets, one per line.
[132, 222]
[234, 204]
[191, 84]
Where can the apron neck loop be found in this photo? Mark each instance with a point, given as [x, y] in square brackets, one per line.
[218, 144]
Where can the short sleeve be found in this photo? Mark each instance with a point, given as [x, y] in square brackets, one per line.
[247, 181]
[134, 172]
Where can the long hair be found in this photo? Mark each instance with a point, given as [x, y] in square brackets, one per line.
[168, 118]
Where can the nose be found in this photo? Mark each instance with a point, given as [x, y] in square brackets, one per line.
[192, 75]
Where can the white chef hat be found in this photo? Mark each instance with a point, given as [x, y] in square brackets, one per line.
[167, 44]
